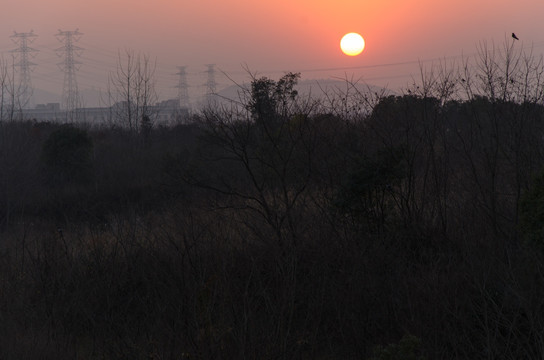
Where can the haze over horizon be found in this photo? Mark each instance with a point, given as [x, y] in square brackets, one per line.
[269, 38]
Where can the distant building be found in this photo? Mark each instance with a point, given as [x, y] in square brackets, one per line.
[165, 113]
[44, 112]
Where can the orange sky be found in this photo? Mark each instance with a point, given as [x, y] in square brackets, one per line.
[270, 37]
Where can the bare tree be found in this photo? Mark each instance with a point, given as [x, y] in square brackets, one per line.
[132, 91]
[266, 147]
[10, 99]
[4, 85]
[503, 89]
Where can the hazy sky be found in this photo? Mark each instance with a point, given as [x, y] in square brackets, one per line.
[270, 37]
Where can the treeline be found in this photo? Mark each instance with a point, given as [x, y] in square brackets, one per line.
[356, 226]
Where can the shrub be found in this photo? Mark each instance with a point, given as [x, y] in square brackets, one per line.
[67, 156]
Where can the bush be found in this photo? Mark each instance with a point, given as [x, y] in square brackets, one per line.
[67, 155]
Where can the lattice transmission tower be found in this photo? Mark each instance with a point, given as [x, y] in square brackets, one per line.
[183, 92]
[210, 83]
[70, 92]
[25, 53]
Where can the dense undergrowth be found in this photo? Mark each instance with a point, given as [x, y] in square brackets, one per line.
[365, 227]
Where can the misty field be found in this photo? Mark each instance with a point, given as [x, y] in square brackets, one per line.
[360, 225]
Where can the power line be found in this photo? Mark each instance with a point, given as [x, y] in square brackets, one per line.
[102, 61]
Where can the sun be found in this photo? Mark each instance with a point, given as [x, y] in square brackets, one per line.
[352, 44]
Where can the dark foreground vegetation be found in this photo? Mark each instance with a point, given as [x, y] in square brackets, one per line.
[359, 226]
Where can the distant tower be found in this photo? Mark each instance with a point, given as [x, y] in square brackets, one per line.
[183, 93]
[70, 93]
[210, 83]
[25, 54]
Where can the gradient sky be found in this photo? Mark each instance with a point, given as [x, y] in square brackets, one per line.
[270, 37]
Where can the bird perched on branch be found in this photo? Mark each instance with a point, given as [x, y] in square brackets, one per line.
[514, 36]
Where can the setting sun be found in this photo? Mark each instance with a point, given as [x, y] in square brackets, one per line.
[352, 44]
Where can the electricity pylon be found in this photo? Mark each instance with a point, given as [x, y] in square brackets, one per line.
[70, 93]
[25, 54]
[183, 93]
[210, 83]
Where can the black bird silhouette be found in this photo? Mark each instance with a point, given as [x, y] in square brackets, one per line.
[514, 36]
